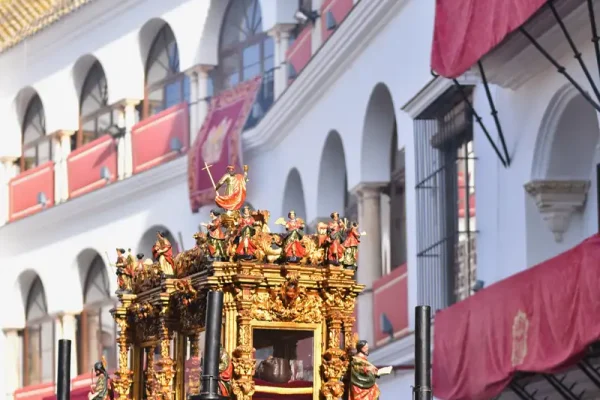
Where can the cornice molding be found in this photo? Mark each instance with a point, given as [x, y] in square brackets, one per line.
[366, 20]
[433, 89]
[557, 201]
[110, 196]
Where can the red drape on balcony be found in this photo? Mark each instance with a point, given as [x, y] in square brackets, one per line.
[466, 30]
[540, 320]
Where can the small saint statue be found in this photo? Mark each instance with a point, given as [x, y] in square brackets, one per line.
[124, 272]
[216, 237]
[335, 232]
[350, 245]
[140, 263]
[162, 252]
[246, 229]
[292, 245]
[225, 373]
[103, 388]
[364, 375]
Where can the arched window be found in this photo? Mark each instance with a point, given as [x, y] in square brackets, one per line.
[97, 326]
[37, 147]
[95, 114]
[38, 338]
[245, 50]
[166, 86]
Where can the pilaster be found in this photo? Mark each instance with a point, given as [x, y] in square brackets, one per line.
[7, 172]
[281, 36]
[11, 360]
[368, 197]
[62, 149]
[557, 201]
[199, 97]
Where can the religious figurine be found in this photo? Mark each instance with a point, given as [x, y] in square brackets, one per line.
[162, 252]
[103, 388]
[235, 188]
[363, 375]
[335, 232]
[124, 272]
[246, 229]
[350, 246]
[216, 237]
[292, 244]
[225, 373]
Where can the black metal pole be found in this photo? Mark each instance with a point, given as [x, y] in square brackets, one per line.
[63, 384]
[209, 389]
[422, 388]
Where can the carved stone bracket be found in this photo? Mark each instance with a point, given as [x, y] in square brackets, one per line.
[557, 200]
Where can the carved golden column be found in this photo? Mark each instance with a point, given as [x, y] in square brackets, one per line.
[123, 374]
[335, 362]
[242, 360]
[194, 377]
[150, 373]
[166, 370]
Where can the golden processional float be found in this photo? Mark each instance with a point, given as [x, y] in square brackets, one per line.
[287, 314]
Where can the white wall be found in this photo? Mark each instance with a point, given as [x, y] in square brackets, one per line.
[389, 67]
[512, 235]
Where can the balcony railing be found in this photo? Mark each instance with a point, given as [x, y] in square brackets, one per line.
[152, 142]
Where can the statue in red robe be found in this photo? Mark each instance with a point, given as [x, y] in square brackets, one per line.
[350, 245]
[292, 245]
[225, 374]
[335, 231]
[363, 375]
[216, 237]
[246, 224]
[235, 189]
[162, 251]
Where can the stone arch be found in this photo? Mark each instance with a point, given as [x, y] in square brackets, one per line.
[208, 49]
[15, 315]
[80, 72]
[90, 258]
[293, 195]
[147, 36]
[378, 129]
[21, 102]
[149, 238]
[332, 184]
[566, 143]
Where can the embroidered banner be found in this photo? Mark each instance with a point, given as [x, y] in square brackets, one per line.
[218, 142]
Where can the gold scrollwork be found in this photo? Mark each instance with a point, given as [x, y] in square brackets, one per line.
[291, 303]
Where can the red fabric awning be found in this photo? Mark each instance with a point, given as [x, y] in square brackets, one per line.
[466, 30]
[540, 320]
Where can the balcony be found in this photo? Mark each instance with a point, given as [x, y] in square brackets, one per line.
[31, 192]
[154, 141]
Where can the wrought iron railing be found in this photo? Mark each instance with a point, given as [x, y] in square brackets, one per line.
[445, 226]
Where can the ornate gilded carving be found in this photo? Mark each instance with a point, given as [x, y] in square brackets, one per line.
[335, 365]
[291, 303]
[270, 281]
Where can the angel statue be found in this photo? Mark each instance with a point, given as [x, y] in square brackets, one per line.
[103, 388]
[292, 244]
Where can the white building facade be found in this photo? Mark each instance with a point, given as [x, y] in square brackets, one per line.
[350, 119]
